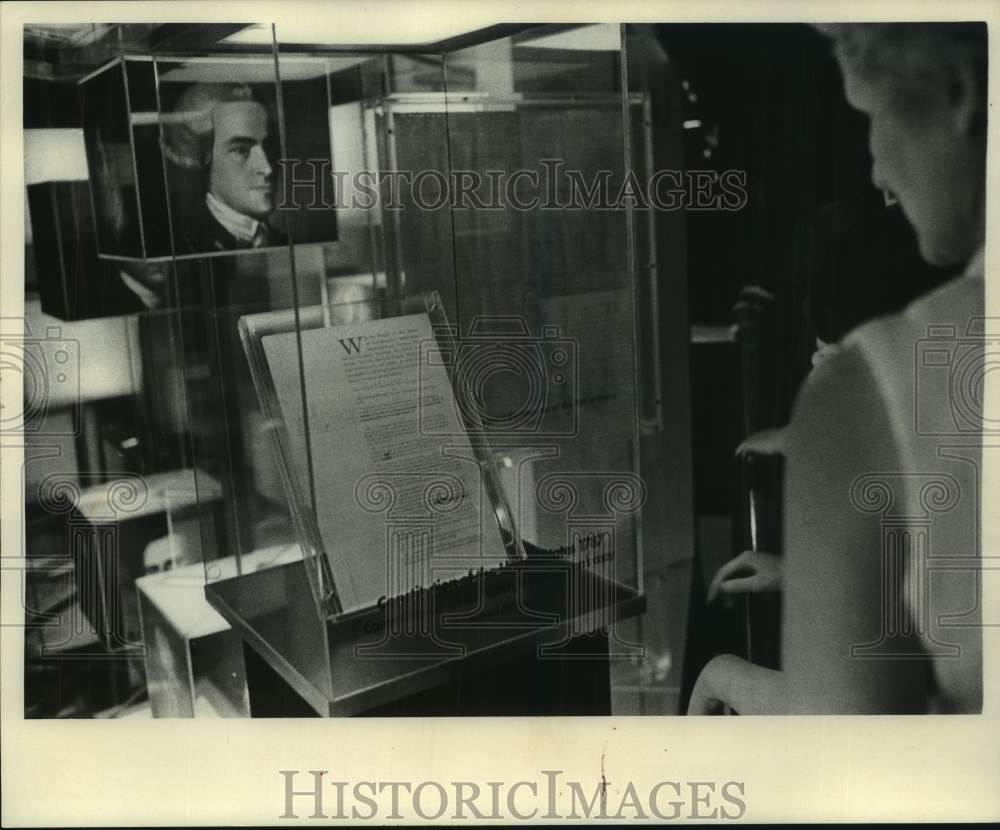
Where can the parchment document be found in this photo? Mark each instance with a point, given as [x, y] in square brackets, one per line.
[396, 509]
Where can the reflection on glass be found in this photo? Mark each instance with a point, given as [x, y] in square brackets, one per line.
[111, 164]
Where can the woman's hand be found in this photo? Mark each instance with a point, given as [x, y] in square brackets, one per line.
[707, 696]
[731, 683]
[703, 700]
[765, 442]
[752, 572]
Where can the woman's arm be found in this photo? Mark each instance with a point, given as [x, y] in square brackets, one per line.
[844, 597]
[836, 596]
[752, 572]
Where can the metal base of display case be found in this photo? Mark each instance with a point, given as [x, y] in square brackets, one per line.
[532, 639]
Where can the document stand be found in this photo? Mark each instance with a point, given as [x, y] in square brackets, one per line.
[508, 666]
[435, 464]
[526, 635]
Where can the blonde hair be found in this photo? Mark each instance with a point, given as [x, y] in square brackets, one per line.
[908, 55]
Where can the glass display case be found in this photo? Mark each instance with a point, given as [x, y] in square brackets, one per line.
[397, 314]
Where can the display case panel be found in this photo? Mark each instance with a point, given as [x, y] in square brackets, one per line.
[276, 211]
[538, 310]
[530, 250]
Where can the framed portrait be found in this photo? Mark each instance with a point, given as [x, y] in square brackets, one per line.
[186, 154]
